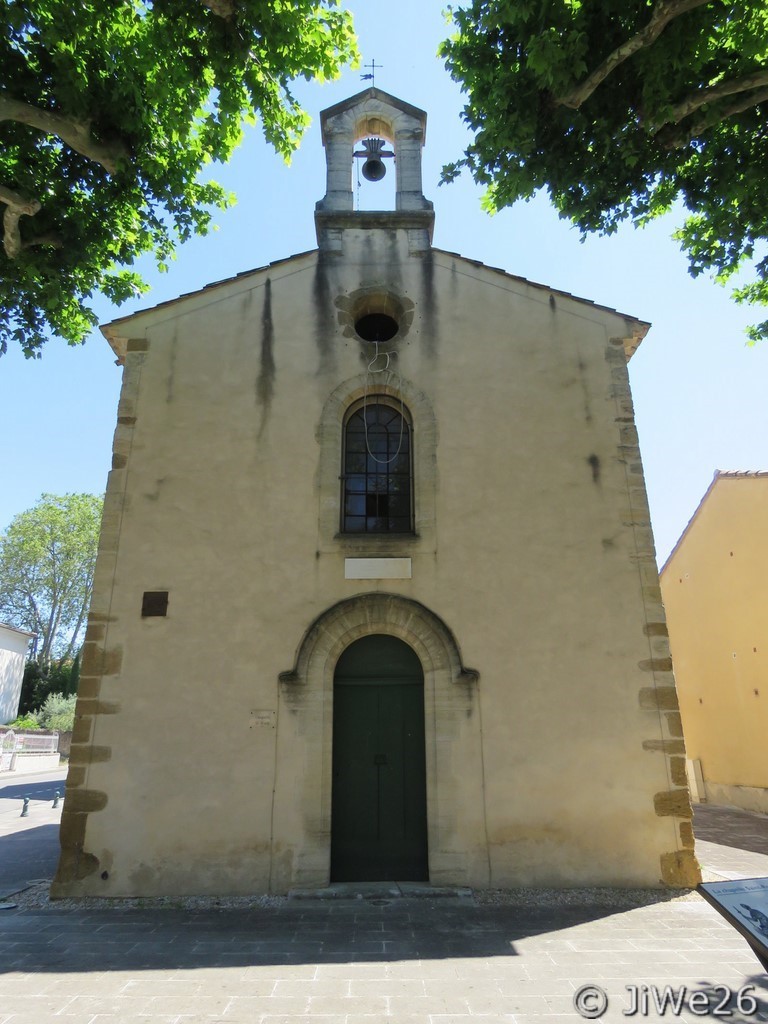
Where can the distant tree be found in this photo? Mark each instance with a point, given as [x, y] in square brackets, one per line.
[109, 112]
[47, 557]
[39, 681]
[58, 712]
[34, 688]
[620, 108]
[54, 711]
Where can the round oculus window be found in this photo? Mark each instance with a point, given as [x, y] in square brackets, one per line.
[376, 327]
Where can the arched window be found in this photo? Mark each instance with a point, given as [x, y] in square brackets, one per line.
[377, 473]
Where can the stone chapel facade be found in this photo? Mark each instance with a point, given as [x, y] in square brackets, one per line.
[376, 596]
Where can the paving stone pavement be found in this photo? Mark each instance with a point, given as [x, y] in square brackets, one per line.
[404, 961]
[731, 843]
[365, 961]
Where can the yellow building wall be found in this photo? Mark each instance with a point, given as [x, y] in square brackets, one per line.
[714, 590]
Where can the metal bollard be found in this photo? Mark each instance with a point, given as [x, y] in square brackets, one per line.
[56, 796]
[25, 808]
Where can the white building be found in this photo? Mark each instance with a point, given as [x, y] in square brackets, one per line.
[13, 653]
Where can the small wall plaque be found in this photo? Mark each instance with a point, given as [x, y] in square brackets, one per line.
[377, 569]
[262, 720]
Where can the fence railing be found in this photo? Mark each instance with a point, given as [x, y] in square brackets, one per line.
[27, 745]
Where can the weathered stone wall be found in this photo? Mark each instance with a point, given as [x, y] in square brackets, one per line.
[200, 761]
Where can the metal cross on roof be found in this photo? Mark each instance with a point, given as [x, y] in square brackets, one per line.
[372, 77]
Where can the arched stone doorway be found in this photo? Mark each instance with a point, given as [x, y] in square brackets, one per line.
[379, 787]
[456, 826]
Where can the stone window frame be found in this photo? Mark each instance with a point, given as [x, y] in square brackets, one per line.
[424, 443]
[372, 400]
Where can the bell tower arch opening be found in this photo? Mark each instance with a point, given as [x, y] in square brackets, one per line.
[374, 165]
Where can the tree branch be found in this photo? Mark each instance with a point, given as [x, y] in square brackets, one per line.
[224, 8]
[664, 12]
[37, 615]
[18, 206]
[677, 140]
[76, 134]
[22, 203]
[716, 92]
[11, 235]
[78, 626]
[49, 631]
[53, 240]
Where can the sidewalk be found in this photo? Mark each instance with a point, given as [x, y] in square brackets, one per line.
[400, 961]
[731, 844]
[29, 847]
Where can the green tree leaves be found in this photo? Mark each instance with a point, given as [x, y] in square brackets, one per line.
[620, 108]
[110, 111]
[47, 558]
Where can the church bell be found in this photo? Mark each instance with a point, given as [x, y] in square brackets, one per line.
[373, 151]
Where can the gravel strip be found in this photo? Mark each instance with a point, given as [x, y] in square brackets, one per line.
[584, 897]
[36, 897]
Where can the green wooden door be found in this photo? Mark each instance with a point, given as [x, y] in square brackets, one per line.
[379, 799]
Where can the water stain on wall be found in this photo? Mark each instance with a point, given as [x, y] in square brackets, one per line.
[265, 383]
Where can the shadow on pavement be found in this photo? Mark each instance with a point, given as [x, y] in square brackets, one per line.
[34, 790]
[32, 853]
[76, 941]
[729, 827]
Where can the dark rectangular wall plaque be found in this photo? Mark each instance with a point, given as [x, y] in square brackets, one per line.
[154, 603]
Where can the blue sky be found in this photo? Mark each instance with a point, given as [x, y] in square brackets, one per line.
[699, 392]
